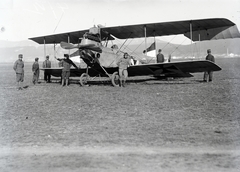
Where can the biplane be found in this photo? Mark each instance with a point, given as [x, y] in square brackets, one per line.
[91, 46]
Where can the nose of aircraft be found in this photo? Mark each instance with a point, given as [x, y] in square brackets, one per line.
[88, 57]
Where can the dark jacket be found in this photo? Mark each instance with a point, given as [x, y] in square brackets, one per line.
[35, 67]
[47, 64]
[66, 64]
[160, 58]
[210, 57]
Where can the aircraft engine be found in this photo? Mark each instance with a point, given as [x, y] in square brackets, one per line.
[88, 57]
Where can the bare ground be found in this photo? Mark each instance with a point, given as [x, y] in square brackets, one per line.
[176, 125]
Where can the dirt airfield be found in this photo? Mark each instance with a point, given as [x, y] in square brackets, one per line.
[178, 125]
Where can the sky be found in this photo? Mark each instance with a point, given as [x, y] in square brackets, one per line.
[22, 19]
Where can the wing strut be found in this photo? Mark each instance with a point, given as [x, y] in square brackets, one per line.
[69, 42]
[145, 32]
[199, 37]
[191, 36]
[105, 71]
[44, 40]
[54, 48]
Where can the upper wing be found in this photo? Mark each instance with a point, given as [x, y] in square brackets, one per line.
[173, 69]
[72, 37]
[216, 28]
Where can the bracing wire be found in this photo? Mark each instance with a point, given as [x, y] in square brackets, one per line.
[169, 42]
[178, 46]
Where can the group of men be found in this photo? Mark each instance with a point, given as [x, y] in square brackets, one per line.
[66, 63]
[18, 67]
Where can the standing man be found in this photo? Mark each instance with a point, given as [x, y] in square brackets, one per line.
[19, 69]
[47, 73]
[35, 70]
[123, 64]
[169, 58]
[208, 75]
[160, 57]
[66, 63]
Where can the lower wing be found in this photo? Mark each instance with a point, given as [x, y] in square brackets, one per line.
[57, 71]
[173, 69]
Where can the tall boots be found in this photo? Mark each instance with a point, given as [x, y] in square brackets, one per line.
[63, 82]
[122, 83]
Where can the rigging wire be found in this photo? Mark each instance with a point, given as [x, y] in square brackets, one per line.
[58, 22]
[124, 42]
[178, 46]
[169, 42]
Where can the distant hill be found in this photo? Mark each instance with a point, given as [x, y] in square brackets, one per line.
[218, 47]
[11, 44]
[9, 50]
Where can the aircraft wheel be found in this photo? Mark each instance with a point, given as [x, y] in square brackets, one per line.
[115, 79]
[84, 79]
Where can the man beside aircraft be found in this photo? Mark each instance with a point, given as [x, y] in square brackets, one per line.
[123, 64]
[47, 73]
[208, 75]
[160, 57]
[66, 63]
[19, 69]
[169, 58]
[35, 70]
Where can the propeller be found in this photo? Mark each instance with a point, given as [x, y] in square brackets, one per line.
[68, 46]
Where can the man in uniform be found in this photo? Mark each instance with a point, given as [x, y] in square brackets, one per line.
[66, 63]
[123, 64]
[47, 73]
[208, 75]
[160, 57]
[35, 70]
[19, 69]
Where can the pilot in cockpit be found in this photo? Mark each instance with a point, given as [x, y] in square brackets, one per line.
[114, 47]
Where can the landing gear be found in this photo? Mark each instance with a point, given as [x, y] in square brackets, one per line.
[115, 79]
[84, 79]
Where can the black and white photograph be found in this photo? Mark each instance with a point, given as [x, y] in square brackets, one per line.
[119, 85]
